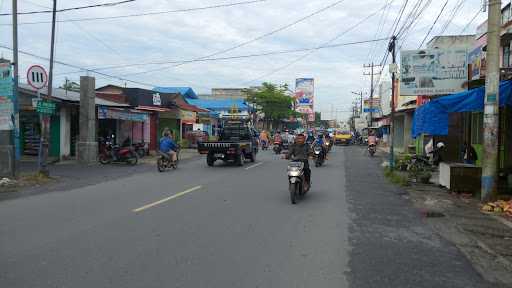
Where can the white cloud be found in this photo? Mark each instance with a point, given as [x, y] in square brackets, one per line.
[176, 36]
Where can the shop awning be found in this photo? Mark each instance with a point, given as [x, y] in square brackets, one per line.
[432, 117]
[122, 114]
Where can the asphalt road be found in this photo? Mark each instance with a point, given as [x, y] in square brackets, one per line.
[228, 226]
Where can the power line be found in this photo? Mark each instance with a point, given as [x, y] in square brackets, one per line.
[237, 56]
[325, 44]
[454, 12]
[78, 67]
[470, 22]
[142, 14]
[433, 24]
[382, 22]
[248, 41]
[109, 4]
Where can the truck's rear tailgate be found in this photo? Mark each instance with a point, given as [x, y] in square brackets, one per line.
[216, 146]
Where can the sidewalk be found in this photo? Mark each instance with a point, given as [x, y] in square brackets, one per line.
[485, 239]
[70, 174]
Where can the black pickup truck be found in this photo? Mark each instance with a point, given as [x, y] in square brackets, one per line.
[237, 142]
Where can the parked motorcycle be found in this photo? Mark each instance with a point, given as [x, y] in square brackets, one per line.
[164, 161]
[372, 148]
[319, 155]
[277, 147]
[296, 180]
[141, 149]
[114, 154]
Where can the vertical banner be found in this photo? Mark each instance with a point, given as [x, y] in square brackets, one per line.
[6, 97]
[304, 97]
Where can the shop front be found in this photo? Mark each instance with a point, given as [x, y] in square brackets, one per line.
[127, 126]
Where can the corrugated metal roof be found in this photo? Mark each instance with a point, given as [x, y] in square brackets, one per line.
[219, 105]
[187, 92]
[70, 96]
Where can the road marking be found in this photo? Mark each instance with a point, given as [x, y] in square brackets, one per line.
[255, 165]
[166, 199]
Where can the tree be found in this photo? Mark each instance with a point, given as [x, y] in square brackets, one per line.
[272, 102]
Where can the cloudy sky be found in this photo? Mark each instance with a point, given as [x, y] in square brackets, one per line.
[179, 36]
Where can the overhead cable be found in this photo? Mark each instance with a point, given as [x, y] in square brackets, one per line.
[109, 4]
[248, 41]
[140, 14]
[433, 24]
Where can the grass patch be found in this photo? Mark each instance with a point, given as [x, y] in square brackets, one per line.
[396, 177]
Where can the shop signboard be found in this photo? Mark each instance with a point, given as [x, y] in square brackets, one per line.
[121, 114]
[187, 116]
[305, 96]
[6, 97]
[157, 101]
[432, 71]
[45, 107]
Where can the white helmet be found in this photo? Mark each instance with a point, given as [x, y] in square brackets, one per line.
[440, 145]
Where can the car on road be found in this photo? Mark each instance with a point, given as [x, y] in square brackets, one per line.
[237, 141]
[342, 137]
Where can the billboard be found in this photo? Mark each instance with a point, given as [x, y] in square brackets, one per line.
[371, 105]
[477, 60]
[6, 97]
[304, 96]
[432, 71]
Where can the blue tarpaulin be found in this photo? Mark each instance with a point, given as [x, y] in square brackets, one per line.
[432, 117]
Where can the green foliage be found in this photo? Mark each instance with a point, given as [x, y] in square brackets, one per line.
[396, 177]
[271, 101]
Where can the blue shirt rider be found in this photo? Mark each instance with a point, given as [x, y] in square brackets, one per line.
[168, 146]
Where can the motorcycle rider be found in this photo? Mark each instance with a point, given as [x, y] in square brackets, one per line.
[320, 141]
[299, 150]
[167, 145]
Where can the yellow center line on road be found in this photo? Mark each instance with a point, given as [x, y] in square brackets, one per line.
[255, 165]
[166, 199]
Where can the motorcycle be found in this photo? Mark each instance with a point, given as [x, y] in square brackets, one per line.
[110, 153]
[141, 149]
[164, 161]
[264, 145]
[285, 145]
[319, 155]
[296, 180]
[277, 147]
[372, 148]
[328, 144]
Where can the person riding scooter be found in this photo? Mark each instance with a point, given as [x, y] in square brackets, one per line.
[299, 150]
[320, 142]
[167, 145]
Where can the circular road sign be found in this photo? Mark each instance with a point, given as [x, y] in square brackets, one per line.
[37, 77]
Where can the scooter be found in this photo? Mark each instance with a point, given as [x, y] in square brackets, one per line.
[296, 180]
[277, 147]
[164, 161]
[141, 149]
[319, 155]
[372, 148]
[114, 154]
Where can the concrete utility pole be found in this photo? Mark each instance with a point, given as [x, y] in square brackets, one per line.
[372, 73]
[491, 103]
[87, 145]
[360, 94]
[391, 48]
[16, 128]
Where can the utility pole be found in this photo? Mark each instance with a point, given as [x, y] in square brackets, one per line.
[16, 128]
[360, 94]
[372, 73]
[45, 123]
[393, 68]
[491, 103]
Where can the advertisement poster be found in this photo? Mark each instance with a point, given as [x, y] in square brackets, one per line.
[432, 71]
[304, 97]
[477, 60]
[6, 104]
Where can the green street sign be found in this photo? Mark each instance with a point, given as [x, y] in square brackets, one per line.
[45, 107]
